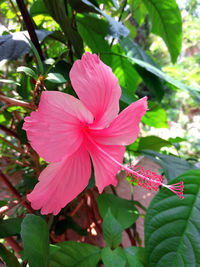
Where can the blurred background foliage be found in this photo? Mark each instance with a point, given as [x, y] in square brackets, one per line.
[153, 48]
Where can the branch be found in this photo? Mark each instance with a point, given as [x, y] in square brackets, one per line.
[15, 192]
[14, 102]
[29, 26]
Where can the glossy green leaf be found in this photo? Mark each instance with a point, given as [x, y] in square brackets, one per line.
[8, 257]
[112, 230]
[113, 258]
[136, 256]
[172, 229]
[74, 254]
[172, 166]
[153, 82]
[35, 238]
[10, 227]
[123, 210]
[153, 142]
[167, 23]
[57, 10]
[56, 78]
[27, 71]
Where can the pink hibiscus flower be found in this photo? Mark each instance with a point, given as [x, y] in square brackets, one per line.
[67, 132]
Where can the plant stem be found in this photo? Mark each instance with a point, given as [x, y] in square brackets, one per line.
[14, 102]
[15, 192]
[29, 26]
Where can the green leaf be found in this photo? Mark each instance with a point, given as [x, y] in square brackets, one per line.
[193, 91]
[167, 23]
[57, 10]
[112, 230]
[8, 257]
[136, 256]
[38, 7]
[152, 142]
[35, 237]
[74, 254]
[172, 229]
[116, 28]
[27, 71]
[9, 81]
[156, 117]
[21, 133]
[10, 227]
[126, 74]
[56, 78]
[172, 166]
[123, 210]
[41, 68]
[113, 258]
[24, 90]
[93, 31]
[153, 82]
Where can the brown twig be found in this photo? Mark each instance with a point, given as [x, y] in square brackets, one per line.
[14, 102]
[11, 145]
[15, 246]
[128, 231]
[80, 204]
[15, 192]
[15, 10]
[94, 206]
[8, 131]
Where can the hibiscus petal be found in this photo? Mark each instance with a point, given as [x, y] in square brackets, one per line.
[105, 169]
[125, 128]
[97, 87]
[54, 131]
[61, 182]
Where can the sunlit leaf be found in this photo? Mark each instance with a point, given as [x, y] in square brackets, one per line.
[167, 23]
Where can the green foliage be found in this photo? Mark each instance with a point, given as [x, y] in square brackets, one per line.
[113, 258]
[153, 82]
[167, 23]
[136, 256]
[72, 254]
[172, 229]
[152, 142]
[35, 237]
[8, 257]
[123, 210]
[172, 166]
[57, 10]
[120, 33]
[112, 230]
[27, 71]
[155, 117]
[10, 227]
